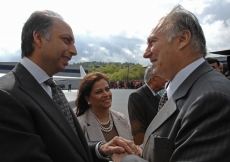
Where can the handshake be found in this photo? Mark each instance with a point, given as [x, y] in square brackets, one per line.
[118, 148]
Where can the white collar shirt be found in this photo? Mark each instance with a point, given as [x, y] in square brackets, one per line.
[39, 74]
[181, 76]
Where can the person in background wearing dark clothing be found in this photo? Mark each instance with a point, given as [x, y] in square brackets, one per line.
[193, 121]
[143, 104]
[69, 86]
[214, 63]
[131, 85]
[36, 122]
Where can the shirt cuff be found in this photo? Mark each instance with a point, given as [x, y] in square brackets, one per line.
[98, 153]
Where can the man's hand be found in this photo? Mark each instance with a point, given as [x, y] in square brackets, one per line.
[118, 157]
[119, 145]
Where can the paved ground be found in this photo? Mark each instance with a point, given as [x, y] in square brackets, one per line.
[119, 102]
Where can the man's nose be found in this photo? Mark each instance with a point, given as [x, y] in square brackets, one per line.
[147, 52]
[73, 50]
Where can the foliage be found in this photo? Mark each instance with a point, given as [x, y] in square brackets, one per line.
[117, 71]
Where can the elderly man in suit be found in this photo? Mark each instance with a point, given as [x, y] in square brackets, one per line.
[143, 104]
[193, 125]
[36, 122]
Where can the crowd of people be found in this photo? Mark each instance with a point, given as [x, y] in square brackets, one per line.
[133, 84]
[189, 122]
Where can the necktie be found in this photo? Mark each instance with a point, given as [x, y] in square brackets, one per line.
[163, 100]
[61, 101]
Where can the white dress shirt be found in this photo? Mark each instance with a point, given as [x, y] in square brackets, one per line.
[181, 76]
[39, 74]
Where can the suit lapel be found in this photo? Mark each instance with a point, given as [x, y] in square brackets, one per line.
[191, 79]
[168, 109]
[170, 106]
[31, 87]
[93, 129]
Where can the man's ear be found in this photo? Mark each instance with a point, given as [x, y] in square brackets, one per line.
[184, 38]
[37, 39]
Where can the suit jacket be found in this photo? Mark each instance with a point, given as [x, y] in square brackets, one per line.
[142, 108]
[33, 128]
[93, 132]
[194, 124]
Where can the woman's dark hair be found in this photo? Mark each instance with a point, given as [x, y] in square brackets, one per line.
[85, 89]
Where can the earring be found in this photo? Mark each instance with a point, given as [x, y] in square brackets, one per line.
[88, 103]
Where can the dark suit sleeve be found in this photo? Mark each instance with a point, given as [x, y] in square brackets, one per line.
[205, 130]
[18, 137]
[137, 117]
[92, 146]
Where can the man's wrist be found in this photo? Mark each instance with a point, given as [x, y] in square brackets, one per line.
[99, 155]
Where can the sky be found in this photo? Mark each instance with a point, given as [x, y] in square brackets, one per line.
[112, 31]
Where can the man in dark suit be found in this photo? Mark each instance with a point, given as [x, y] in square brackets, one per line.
[193, 125]
[143, 104]
[32, 126]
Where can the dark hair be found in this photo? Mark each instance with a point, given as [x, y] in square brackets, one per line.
[85, 89]
[40, 21]
[212, 60]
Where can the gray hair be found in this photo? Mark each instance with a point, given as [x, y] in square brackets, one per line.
[178, 20]
[40, 21]
[148, 74]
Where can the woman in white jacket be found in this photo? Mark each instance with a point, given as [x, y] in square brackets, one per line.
[93, 103]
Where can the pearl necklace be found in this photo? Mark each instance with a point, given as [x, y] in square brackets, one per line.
[101, 124]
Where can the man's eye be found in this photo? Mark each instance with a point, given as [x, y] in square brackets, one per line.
[66, 40]
[152, 41]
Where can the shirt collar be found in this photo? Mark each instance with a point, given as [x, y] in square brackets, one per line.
[182, 75]
[39, 74]
[151, 89]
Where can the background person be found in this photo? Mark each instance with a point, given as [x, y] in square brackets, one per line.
[69, 85]
[193, 125]
[214, 63]
[143, 104]
[98, 121]
[33, 125]
[221, 67]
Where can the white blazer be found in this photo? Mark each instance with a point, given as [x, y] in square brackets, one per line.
[93, 132]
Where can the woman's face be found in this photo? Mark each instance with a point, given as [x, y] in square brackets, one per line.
[100, 96]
